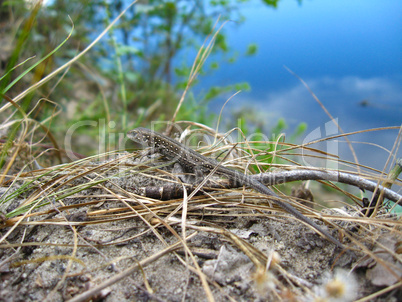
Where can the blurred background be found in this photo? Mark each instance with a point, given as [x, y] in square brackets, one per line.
[347, 52]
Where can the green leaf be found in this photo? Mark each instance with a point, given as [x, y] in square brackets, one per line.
[251, 49]
[183, 71]
[221, 43]
[273, 3]
[299, 131]
[301, 128]
[214, 65]
[244, 86]
[131, 77]
[122, 50]
[213, 92]
[279, 128]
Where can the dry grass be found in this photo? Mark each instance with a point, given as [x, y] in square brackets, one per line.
[87, 193]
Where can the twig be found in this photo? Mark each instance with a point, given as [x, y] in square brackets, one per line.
[171, 190]
[275, 178]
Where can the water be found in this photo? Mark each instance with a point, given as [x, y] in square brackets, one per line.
[349, 54]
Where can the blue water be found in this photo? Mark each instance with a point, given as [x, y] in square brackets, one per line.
[348, 52]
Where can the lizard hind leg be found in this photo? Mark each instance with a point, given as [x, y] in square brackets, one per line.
[191, 178]
[182, 175]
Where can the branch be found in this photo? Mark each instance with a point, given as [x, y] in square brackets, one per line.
[280, 177]
[172, 190]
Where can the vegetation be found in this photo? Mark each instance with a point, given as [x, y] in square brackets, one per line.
[59, 81]
[133, 76]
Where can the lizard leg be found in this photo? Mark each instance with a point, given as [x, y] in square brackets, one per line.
[182, 175]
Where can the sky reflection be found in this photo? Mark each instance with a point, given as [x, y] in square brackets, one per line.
[348, 52]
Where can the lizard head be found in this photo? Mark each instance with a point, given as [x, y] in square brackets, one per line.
[142, 136]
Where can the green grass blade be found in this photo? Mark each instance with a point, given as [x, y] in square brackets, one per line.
[20, 64]
[37, 63]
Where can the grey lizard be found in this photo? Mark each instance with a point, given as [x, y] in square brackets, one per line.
[191, 161]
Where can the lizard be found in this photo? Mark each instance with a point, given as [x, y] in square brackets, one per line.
[192, 161]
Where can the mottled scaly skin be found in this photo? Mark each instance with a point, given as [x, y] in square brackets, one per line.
[191, 160]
